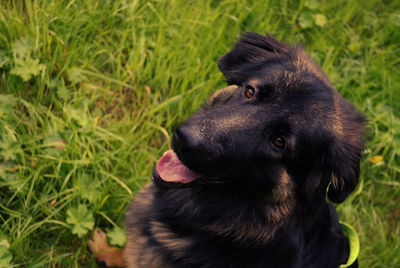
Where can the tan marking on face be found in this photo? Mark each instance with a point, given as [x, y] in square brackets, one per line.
[283, 190]
[233, 122]
[227, 90]
[254, 82]
[281, 199]
[337, 125]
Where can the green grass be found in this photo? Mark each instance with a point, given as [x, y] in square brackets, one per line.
[91, 90]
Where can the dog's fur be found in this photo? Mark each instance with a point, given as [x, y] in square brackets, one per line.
[258, 204]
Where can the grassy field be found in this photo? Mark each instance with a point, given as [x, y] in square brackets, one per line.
[91, 90]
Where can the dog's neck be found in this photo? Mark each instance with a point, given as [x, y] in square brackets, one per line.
[255, 219]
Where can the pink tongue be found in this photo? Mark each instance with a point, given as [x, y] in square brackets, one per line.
[171, 169]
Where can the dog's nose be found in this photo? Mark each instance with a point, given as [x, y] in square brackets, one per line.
[187, 139]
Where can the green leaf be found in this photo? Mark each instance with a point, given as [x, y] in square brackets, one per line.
[306, 20]
[7, 103]
[354, 47]
[312, 4]
[75, 75]
[3, 171]
[80, 220]
[63, 93]
[57, 84]
[3, 58]
[9, 178]
[85, 186]
[26, 68]
[53, 83]
[79, 116]
[23, 47]
[320, 20]
[15, 183]
[5, 255]
[116, 236]
[9, 148]
[25, 65]
[4, 241]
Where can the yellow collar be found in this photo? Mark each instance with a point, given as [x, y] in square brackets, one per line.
[354, 244]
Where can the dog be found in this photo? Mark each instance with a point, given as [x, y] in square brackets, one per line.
[247, 181]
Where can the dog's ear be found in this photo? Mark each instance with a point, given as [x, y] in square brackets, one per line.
[345, 171]
[252, 49]
[343, 157]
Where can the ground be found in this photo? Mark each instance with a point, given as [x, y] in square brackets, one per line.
[91, 90]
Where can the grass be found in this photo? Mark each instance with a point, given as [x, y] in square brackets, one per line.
[91, 90]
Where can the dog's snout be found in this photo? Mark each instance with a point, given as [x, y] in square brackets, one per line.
[187, 139]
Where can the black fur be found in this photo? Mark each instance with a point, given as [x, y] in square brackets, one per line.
[258, 204]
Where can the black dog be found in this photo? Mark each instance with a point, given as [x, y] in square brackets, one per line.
[246, 182]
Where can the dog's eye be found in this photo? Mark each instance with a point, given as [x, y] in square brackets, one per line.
[279, 142]
[249, 92]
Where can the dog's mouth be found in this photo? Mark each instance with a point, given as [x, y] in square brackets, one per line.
[170, 172]
[171, 169]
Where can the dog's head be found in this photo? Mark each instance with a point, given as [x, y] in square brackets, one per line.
[279, 124]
